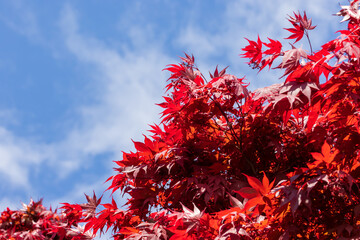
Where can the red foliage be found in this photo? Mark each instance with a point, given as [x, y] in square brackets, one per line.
[35, 222]
[300, 25]
[281, 162]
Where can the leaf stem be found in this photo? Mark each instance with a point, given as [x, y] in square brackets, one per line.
[307, 36]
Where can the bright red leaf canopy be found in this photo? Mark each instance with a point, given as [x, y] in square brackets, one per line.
[281, 162]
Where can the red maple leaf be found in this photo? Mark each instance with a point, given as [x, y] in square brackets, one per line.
[256, 192]
[300, 24]
[253, 51]
[274, 47]
[291, 59]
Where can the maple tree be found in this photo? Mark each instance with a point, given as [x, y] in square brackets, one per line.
[280, 162]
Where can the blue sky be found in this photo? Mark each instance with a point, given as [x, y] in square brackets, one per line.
[80, 79]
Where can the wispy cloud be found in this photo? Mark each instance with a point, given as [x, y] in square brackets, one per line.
[22, 19]
[18, 158]
[127, 86]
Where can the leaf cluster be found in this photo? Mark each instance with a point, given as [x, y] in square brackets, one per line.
[35, 222]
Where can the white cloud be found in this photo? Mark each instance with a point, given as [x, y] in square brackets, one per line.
[22, 19]
[127, 86]
[17, 158]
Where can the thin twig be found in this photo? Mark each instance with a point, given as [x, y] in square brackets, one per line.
[307, 36]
